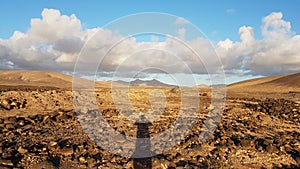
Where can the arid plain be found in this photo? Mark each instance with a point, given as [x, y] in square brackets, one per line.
[40, 127]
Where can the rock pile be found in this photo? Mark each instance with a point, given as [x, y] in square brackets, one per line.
[9, 104]
[281, 108]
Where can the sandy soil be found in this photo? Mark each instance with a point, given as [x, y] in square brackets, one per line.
[41, 127]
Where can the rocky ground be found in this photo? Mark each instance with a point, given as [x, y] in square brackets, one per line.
[39, 128]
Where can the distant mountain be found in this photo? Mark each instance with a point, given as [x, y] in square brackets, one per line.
[217, 85]
[282, 83]
[139, 82]
[152, 82]
[121, 82]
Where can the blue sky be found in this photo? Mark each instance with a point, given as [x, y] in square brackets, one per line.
[217, 19]
[225, 23]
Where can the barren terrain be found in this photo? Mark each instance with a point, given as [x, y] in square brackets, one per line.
[41, 128]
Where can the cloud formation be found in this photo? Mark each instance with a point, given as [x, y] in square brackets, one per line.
[50, 41]
[276, 53]
[181, 21]
[54, 42]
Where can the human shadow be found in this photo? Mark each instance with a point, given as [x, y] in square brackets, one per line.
[142, 156]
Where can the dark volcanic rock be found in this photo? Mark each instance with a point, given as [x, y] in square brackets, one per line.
[280, 108]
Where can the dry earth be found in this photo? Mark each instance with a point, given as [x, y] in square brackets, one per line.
[41, 128]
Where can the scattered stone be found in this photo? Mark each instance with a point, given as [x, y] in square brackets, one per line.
[53, 143]
[246, 135]
[43, 165]
[247, 143]
[271, 148]
[67, 151]
[6, 163]
[6, 104]
[22, 150]
[82, 159]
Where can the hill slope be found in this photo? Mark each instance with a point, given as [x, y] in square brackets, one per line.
[283, 83]
[34, 78]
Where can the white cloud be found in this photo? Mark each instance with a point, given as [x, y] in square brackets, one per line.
[274, 27]
[226, 44]
[246, 35]
[276, 53]
[54, 41]
[181, 21]
[54, 26]
[51, 40]
[181, 33]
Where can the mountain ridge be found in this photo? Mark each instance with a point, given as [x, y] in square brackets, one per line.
[284, 83]
[139, 82]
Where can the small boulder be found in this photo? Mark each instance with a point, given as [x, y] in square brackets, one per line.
[7, 163]
[21, 150]
[6, 104]
[271, 148]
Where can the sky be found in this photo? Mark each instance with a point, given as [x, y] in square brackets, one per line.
[249, 38]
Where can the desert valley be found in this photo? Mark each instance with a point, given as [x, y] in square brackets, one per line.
[41, 128]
